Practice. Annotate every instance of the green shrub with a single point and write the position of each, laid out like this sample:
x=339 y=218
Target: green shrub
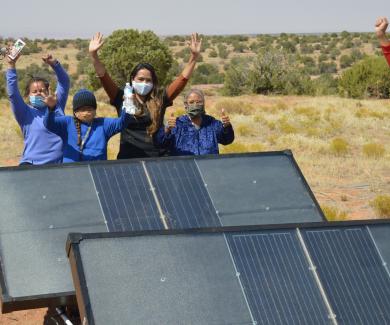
x=206 y=73
x=367 y=78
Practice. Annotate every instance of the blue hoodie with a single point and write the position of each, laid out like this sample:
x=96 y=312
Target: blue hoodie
x=95 y=148
x=40 y=145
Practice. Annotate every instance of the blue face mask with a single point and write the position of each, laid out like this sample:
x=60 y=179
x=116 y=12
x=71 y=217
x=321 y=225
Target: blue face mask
x=37 y=101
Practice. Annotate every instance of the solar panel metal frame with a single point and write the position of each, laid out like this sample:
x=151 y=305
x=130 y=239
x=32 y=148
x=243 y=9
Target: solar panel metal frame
x=78 y=275
x=9 y=303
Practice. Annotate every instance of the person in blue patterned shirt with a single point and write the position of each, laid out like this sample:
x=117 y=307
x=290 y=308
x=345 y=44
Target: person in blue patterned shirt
x=195 y=133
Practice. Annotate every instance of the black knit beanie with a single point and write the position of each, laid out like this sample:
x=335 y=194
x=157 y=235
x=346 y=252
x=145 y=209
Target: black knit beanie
x=82 y=98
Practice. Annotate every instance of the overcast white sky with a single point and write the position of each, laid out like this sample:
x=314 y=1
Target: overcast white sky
x=82 y=18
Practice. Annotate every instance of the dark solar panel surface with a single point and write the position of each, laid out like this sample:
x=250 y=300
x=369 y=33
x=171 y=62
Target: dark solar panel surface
x=126 y=197
x=182 y=194
x=183 y=279
x=356 y=281
x=38 y=209
x=264 y=189
x=275 y=275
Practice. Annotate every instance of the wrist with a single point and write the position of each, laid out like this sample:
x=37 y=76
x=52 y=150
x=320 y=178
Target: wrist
x=383 y=40
x=54 y=63
x=94 y=55
x=194 y=57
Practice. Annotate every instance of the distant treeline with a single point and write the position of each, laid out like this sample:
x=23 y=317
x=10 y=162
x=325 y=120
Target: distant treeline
x=346 y=64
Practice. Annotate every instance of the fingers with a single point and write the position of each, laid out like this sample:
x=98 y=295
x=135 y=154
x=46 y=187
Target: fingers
x=223 y=112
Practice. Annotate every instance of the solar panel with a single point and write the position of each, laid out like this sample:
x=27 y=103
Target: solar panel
x=39 y=207
x=179 y=279
x=277 y=279
x=126 y=197
x=352 y=273
x=319 y=273
x=181 y=192
x=41 y=204
x=264 y=188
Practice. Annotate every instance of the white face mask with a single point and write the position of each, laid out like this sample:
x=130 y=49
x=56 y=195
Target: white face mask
x=142 y=88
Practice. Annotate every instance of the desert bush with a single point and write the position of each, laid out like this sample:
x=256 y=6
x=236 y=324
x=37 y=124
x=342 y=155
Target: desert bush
x=206 y=73
x=381 y=205
x=213 y=54
x=236 y=77
x=286 y=127
x=244 y=130
x=368 y=78
x=327 y=67
x=325 y=84
x=339 y=146
x=346 y=61
x=374 y=150
x=222 y=51
x=365 y=113
x=235 y=107
x=235 y=147
x=333 y=214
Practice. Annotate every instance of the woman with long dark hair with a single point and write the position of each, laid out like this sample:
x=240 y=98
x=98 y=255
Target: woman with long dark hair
x=150 y=100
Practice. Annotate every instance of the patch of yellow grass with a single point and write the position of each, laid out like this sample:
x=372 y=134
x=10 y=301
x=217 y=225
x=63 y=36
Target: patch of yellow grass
x=333 y=214
x=374 y=150
x=381 y=204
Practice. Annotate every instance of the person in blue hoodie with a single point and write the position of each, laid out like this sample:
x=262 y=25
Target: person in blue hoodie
x=40 y=145
x=195 y=133
x=85 y=136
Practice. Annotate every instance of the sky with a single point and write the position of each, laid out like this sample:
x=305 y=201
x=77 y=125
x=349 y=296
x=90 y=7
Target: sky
x=82 y=18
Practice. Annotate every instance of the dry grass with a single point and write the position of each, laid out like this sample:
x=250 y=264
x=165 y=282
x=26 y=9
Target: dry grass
x=333 y=214
x=381 y=204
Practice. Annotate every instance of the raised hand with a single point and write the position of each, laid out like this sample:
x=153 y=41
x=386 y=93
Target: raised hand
x=171 y=122
x=225 y=118
x=381 y=26
x=12 y=62
x=50 y=100
x=96 y=43
x=195 y=44
x=48 y=59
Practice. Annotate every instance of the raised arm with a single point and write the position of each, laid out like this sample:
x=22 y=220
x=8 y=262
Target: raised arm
x=56 y=124
x=177 y=86
x=63 y=82
x=108 y=84
x=380 y=28
x=20 y=109
x=113 y=126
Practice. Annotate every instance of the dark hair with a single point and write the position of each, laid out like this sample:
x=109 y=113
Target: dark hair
x=147 y=66
x=35 y=79
x=153 y=100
